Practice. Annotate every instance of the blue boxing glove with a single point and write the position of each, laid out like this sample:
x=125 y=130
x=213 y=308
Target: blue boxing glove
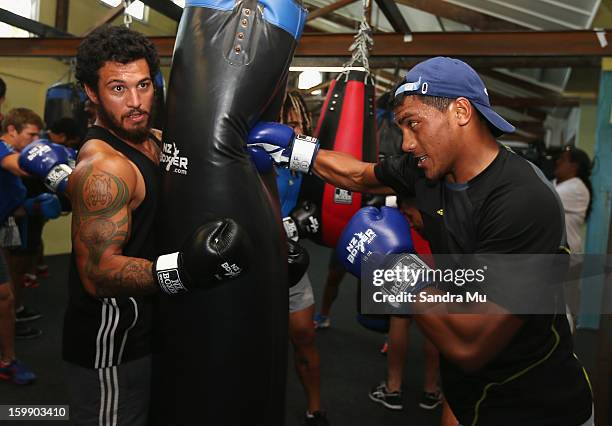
x=373 y=230
x=46 y=205
x=261 y=159
x=297 y=152
x=48 y=161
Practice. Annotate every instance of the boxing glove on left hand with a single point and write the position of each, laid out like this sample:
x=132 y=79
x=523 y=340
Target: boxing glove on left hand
x=217 y=251
x=373 y=230
x=297 y=152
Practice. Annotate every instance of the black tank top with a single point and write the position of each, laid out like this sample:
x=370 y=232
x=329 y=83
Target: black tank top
x=105 y=332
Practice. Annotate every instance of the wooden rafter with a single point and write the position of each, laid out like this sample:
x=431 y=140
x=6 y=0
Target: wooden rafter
x=108 y=17
x=61 y=15
x=394 y=16
x=462 y=44
x=323 y=11
x=34 y=27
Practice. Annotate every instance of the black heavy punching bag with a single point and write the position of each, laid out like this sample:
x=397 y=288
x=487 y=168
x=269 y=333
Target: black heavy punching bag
x=221 y=353
x=66 y=100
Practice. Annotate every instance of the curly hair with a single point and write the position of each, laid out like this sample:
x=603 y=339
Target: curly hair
x=112 y=44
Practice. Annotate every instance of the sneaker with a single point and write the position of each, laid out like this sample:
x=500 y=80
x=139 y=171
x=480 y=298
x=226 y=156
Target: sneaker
x=17 y=373
x=391 y=400
x=24 y=333
x=430 y=400
x=42 y=271
x=29 y=281
x=26 y=314
x=318 y=418
x=321 y=322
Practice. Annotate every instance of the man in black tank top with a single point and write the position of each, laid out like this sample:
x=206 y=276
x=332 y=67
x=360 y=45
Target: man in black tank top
x=477 y=197
x=114 y=274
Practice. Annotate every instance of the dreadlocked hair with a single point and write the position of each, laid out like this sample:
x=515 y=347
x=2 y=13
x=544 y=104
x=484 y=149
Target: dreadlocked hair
x=295 y=102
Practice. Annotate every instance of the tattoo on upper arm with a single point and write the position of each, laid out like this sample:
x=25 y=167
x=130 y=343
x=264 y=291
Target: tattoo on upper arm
x=102 y=221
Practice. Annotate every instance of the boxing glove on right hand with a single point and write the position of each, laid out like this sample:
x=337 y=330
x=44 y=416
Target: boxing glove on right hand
x=297 y=152
x=217 y=251
x=373 y=230
x=48 y=161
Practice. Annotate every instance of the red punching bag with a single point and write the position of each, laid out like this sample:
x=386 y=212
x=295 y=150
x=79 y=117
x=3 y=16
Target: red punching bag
x=347 y=124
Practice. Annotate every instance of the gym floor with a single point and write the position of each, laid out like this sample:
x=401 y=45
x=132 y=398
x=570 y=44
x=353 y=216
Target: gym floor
x=350 y=361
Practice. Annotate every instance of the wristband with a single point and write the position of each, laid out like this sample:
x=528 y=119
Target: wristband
x=167 y=272
x=409 y=283
x=291 y=229
x=303 y=152
x=57 y=178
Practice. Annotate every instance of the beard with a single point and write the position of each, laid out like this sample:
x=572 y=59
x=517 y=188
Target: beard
x=137 y=135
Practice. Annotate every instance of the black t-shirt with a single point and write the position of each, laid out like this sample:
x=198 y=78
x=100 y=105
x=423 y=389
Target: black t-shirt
x=509 y=208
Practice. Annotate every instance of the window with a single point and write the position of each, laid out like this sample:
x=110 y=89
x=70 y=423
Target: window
x=26 y=8
x=136 y=9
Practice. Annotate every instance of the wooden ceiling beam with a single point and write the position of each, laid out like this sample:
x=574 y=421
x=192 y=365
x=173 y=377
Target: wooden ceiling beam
x=469 y=44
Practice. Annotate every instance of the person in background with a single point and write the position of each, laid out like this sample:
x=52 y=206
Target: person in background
x=301 y=298
x=65 y=131
x=12 y=199
x=573 y=184
x=389 y=392
x=20 y=127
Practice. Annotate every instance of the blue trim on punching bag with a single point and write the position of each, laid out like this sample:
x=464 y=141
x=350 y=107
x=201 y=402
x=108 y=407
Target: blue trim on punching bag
x=59 y=92
x=285 y=14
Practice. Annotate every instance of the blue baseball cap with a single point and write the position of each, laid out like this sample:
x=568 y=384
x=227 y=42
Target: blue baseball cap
x=452 y=78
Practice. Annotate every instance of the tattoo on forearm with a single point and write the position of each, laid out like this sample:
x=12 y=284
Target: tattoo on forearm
x=102 y=221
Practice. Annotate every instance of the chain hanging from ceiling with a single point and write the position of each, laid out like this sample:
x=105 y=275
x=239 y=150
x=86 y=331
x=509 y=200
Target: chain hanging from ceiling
x=127 y=18
x=363 y=42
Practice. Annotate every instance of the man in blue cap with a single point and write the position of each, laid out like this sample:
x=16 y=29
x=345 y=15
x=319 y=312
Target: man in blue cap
x=475 y=196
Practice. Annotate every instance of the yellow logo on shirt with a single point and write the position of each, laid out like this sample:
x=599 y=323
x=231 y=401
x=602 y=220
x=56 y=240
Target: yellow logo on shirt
x=440 y=212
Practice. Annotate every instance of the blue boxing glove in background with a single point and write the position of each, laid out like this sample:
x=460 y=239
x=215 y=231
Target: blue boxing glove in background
x=47 y=161
x=46 y=205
